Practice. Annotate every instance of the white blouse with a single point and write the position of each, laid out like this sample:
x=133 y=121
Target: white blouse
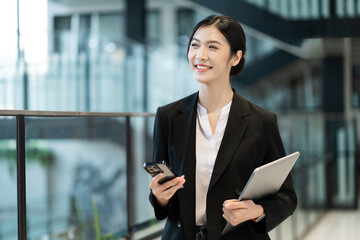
x=207 y=147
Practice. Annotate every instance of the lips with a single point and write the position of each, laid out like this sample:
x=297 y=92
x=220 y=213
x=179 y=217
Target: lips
x=202 y=67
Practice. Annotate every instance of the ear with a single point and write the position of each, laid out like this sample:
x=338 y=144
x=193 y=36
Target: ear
x=236 y=58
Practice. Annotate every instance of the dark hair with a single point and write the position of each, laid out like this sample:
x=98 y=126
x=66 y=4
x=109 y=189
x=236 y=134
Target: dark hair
x=232 y=31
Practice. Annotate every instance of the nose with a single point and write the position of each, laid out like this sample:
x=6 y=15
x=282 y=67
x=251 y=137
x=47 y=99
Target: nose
x=202 y=53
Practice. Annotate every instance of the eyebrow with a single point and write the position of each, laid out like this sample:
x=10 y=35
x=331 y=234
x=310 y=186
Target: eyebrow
x=211 y=41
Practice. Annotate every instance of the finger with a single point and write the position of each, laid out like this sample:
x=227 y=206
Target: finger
x=178 y=184
x=230 y=200
x=226 y=217
x=169 y=192
x=248 y=202
x=158 y=176
x=225 y=211
x=234 y=217
x=228 y=212
x=154 y=181
x=229 y=219
x=176 y=187
x=234 y=205
x=163 y=189
x=172 y=182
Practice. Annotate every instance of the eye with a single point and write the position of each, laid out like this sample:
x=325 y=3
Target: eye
x=213 y=47
x=194 y=45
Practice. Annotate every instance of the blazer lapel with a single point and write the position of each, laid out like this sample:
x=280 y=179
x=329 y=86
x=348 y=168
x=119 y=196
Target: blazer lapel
x=184 y=151
x=182 y=133
x=234 y=131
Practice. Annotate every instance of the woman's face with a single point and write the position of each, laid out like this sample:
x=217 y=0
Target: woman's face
x=210 y=57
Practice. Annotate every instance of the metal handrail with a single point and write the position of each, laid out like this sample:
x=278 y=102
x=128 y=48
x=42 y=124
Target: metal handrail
x=35 y=113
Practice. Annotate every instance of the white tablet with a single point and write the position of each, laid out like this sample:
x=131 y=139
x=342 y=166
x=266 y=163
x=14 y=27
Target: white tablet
x=267 y=179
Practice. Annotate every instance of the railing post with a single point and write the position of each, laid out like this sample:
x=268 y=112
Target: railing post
x=21 y=177
x=129 y=180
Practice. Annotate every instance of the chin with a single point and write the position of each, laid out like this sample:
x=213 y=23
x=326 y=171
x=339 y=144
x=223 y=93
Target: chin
x=201 y=80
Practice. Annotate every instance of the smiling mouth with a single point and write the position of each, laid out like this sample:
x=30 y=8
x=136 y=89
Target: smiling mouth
x=202 y=67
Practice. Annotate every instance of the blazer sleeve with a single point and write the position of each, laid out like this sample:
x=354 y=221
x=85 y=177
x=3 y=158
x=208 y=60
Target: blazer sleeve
x=159 y=154
x=282 y=204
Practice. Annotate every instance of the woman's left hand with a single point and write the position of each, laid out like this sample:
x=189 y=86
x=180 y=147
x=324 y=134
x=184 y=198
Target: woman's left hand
x=236 y=212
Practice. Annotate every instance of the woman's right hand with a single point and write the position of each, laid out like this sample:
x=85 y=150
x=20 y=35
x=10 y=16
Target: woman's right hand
x=163 y=192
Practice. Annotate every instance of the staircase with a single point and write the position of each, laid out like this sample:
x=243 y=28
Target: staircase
x=295 y=27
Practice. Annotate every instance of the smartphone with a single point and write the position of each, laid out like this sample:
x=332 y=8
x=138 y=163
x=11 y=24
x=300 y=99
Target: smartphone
x=154 y=168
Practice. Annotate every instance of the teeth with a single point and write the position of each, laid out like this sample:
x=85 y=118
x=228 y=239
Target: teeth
x=202 y=67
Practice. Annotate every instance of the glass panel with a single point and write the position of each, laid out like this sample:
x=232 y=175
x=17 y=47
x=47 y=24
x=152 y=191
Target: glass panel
x=309 y=174
x=76 y=177
x=295 y=9
x=340 y=8
x=345 y=166
x=8 y=199
x=10 y=68
x=325 y=10
x=301 y=213
x=153 y=32
x=185 y=21
x=350 y=8
x=142 y=129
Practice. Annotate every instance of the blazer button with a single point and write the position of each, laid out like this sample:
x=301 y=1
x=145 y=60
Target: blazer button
x=179 y=224
x=238 y=191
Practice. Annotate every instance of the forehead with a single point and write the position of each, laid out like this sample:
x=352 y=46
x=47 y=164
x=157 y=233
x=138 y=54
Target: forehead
x=209 y=33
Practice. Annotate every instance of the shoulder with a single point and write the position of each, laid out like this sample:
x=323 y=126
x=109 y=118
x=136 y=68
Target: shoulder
x=184 y=104
x=254 y=112
x=261 y=113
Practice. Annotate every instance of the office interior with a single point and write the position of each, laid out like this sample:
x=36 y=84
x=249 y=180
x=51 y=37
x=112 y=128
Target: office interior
x=80 y=81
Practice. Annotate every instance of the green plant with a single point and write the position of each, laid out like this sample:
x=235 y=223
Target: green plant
x=97 y=227
x=35 y=153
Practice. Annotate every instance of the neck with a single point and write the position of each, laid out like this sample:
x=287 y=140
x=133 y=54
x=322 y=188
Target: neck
x=215 y=97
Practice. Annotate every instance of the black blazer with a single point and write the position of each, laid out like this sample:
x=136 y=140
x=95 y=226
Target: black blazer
x=251 y=139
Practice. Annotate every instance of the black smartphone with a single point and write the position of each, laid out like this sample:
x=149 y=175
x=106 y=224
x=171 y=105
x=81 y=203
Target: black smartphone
x=154 y=168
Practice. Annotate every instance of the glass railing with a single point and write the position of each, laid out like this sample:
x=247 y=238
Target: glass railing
x=8 y=206
x=331 y=136
x=325 y=175
x=78 y=175
x=310 y=185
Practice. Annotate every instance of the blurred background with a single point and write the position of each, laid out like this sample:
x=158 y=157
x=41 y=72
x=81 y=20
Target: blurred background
x=129 y=56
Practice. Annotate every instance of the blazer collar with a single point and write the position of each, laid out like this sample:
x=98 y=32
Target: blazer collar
x=239 y=104
x=189 y=103
x=234 y=131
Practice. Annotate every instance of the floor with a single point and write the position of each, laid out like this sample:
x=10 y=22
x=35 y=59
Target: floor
x=337 y=225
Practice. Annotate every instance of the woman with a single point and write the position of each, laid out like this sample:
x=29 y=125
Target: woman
x=214 y=139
